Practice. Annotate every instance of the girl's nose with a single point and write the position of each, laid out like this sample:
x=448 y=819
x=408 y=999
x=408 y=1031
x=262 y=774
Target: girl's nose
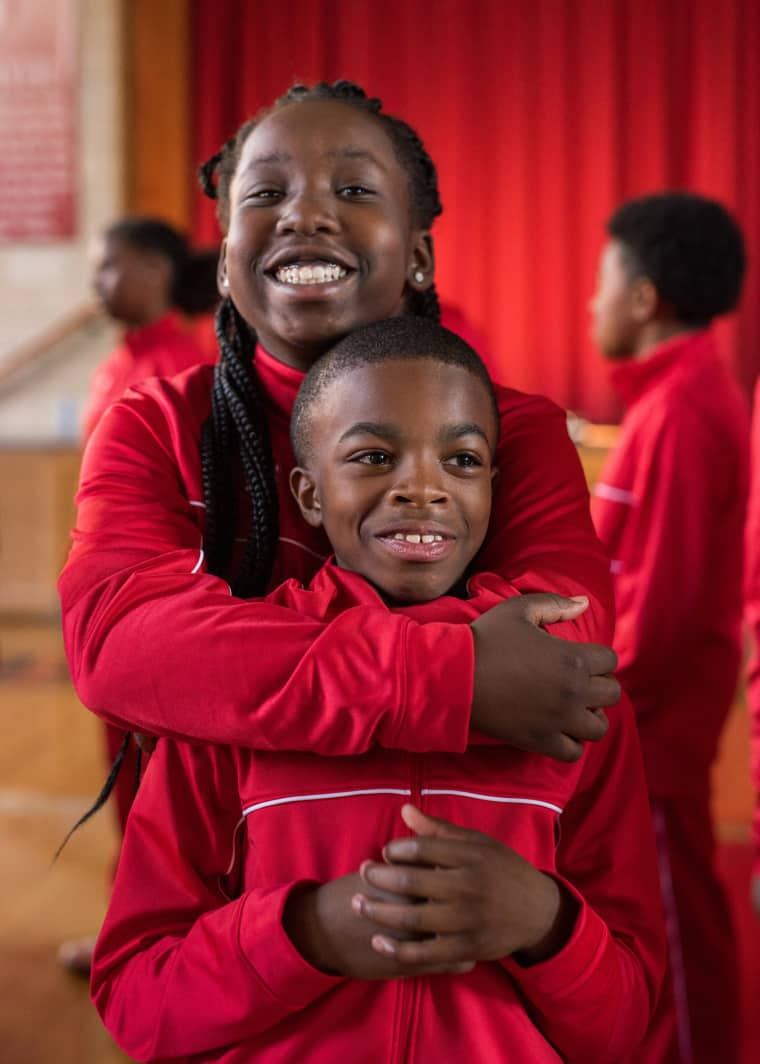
x=307 y=213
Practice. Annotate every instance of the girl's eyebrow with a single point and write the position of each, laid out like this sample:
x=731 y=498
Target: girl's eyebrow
x=355 y=153
x=341 y=153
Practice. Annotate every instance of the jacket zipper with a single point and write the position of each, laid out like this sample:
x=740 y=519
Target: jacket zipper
x=409 y=989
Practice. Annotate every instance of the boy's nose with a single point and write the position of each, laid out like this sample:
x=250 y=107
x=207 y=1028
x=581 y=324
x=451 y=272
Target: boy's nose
x=307 y=213
x=419 y=487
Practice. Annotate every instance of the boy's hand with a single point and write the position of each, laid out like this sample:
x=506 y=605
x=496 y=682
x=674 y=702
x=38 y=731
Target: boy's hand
x=333 y=937
x=479 y=900
x=534 y=691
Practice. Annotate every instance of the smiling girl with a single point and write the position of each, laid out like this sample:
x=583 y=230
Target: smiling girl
x=185 y=511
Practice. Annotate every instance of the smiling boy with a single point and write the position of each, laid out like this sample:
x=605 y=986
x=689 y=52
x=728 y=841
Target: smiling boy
x=262 y=910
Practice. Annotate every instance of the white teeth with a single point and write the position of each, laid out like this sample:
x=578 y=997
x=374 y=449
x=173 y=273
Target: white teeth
x=414 y=537
x=315 y=273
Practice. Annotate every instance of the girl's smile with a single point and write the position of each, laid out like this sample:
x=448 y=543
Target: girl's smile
x=321 y=238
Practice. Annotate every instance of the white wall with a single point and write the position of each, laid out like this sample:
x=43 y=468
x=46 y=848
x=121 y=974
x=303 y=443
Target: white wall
x=41 y=283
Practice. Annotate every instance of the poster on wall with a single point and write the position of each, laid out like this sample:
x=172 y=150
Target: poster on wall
x=38 y=120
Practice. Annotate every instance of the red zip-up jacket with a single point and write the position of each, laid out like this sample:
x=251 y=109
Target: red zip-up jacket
x=752 y=615
x=193 y=962
x=669 y=507
x=161 y=349
x=157 y=644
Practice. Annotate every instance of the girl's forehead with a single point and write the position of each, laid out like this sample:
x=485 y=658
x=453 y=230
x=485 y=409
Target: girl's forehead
x=314 y=128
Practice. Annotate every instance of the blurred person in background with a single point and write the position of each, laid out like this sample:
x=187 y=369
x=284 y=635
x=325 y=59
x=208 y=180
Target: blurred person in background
x=149 y=280
x=670 y=507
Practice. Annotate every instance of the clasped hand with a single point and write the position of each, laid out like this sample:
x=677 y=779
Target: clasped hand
x=444 y=899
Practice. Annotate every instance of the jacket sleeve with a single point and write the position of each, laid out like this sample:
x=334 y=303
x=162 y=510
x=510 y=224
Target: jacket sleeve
x=752 y=618
x=541 y=536
x=178 y=968
x=594 y=999
x=157 y=644
x=665 y=542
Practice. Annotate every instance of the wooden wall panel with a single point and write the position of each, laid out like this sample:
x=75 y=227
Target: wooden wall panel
x=157 y=101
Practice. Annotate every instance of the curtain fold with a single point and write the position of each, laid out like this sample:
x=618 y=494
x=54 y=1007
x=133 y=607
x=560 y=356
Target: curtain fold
x=541 y=117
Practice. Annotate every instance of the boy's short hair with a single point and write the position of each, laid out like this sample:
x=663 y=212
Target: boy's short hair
x=408 y=338
x=689 y=247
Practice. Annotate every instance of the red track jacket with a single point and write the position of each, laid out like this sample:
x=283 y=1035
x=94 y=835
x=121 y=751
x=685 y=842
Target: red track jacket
x=157 y=644
x=669 y=507
x=752 y=614
x=193 y=961
x=162 y=349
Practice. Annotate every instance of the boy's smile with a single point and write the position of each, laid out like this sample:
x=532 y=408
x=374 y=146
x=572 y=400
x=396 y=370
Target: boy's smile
x=321 y=238
x=399 y=473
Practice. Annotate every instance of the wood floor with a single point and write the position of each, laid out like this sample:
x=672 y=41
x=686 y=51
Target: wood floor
x=50 y=769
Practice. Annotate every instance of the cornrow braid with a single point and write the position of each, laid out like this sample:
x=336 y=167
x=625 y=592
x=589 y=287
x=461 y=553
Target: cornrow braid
x=236 y=433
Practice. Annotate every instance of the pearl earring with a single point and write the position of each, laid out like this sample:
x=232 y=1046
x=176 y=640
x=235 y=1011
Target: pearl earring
x=419 y=276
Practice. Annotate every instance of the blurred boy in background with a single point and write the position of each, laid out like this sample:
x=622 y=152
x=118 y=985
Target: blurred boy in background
x=670 y=507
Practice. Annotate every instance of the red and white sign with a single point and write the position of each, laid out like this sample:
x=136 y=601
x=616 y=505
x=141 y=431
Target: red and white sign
x=38 y=120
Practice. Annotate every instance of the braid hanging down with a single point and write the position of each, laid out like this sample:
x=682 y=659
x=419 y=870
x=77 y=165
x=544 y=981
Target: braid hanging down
x=238 y=427
x=235 y=438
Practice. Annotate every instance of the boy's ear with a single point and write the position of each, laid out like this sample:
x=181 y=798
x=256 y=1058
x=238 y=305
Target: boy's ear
x=422 y=263
x=306 y=495
x=644 y=300
x=222 y=283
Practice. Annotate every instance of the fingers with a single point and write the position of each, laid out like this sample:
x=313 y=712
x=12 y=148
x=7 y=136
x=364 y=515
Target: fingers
x=546 y=608
x=423 y=824
x=598 y=659
x=414 y=921
x=602 y=691
x=444 y=953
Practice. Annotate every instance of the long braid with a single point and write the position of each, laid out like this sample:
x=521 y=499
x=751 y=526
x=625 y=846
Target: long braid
x=235 y=437
x=238 y=426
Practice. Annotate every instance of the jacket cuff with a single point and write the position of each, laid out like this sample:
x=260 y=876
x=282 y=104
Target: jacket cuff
x=439 y=669
x=575 y=964
x=274 y=959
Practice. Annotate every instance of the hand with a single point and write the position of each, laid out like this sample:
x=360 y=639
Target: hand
x=755 y=891
x=335 y=938
x=534 y=691
x=481 y=900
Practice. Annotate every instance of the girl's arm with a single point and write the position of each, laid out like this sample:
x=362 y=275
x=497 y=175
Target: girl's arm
x=178 y=968
x=157 y=644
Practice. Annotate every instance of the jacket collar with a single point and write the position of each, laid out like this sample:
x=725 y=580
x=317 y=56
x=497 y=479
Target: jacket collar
x=633 y=377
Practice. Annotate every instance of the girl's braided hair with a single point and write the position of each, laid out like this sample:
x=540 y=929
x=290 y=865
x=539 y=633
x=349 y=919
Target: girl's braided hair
x=236 y=434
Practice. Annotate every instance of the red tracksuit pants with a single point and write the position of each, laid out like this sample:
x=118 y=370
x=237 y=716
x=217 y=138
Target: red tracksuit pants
x=699 y=1014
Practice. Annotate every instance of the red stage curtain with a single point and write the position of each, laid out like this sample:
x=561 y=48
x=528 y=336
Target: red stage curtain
x=541 y=117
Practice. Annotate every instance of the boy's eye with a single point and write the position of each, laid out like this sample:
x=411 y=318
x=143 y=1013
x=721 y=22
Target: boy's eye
x=465 y=460
x=376 y=458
